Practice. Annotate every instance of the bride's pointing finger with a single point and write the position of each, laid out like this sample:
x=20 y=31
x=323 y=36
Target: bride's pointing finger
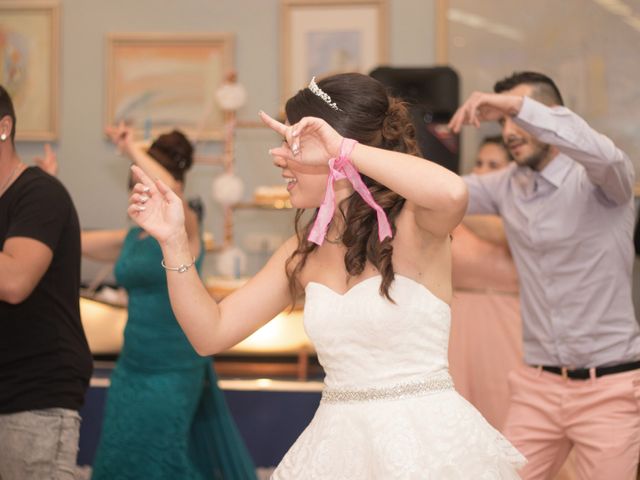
x=143 y=178
x=273 y=124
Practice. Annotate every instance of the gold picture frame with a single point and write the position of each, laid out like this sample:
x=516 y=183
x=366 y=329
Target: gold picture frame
x=442 y=32
x=157 y=82
x=322 y=37
x=29 y=32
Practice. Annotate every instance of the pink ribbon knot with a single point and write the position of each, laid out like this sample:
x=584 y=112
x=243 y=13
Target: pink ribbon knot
x=340 y=168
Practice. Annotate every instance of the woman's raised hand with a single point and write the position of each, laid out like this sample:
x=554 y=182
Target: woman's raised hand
x=121 y=135
x=156 y=208
x=312 y=141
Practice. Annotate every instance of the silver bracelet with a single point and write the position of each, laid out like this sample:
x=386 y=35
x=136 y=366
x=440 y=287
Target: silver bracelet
x=180 y=268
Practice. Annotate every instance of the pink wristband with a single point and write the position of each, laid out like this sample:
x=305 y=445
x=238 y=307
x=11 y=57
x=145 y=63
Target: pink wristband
x=340 y=168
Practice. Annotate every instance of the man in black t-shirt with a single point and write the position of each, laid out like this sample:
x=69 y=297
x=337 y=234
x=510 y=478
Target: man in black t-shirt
x=45 y=363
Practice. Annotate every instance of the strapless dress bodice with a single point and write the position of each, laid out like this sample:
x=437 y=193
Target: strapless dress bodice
x=363 y=340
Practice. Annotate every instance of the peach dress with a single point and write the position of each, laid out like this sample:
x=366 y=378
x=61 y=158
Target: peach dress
x=486 y=330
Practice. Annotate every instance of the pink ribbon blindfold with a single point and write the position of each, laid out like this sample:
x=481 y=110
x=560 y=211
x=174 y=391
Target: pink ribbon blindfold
x=340 y=168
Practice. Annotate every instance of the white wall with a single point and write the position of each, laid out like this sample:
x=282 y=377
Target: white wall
x=587 y=49
x=96 y=177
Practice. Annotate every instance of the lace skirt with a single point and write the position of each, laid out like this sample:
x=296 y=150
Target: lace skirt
x=436 y=435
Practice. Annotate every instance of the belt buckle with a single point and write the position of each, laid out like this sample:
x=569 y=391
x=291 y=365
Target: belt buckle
x=564 y=371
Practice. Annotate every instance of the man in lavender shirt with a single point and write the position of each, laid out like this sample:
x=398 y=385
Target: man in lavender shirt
x=567 y=206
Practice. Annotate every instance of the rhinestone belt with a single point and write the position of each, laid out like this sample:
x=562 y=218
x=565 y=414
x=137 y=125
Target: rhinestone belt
x=414 y=389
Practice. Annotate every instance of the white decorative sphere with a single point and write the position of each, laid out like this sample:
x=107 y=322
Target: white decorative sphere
x=231 y=96
x=232 y=262
x=227 y=189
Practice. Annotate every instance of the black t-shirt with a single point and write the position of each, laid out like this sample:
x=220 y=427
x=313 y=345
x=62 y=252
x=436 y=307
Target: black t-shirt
x=45 y=360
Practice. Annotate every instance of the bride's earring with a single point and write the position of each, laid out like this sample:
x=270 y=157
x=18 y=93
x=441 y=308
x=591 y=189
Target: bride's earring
x=3 y=137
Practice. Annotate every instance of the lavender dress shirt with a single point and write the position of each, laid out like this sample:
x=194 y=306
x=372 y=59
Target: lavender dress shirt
x=570 y=230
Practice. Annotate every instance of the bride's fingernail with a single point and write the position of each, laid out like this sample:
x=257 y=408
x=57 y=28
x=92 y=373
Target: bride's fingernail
x=141 y=208
x=146 y=189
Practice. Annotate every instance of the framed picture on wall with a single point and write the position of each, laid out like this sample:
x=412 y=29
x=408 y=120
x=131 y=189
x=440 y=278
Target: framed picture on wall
x=323 y=37
x=29 y=32
x=157 y=82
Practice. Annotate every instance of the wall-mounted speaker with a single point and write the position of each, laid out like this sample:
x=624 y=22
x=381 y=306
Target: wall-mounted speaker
x=433 y=96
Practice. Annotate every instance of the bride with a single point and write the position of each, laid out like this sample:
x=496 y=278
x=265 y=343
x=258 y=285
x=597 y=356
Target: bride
x=374 y=262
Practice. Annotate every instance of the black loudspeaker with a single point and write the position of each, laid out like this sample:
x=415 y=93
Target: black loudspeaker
x=433 y=96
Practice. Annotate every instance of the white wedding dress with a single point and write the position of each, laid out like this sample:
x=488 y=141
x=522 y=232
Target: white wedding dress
x=388 y=409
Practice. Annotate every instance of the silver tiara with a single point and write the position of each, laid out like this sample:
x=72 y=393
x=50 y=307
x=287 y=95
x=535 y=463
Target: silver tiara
x=313 y=86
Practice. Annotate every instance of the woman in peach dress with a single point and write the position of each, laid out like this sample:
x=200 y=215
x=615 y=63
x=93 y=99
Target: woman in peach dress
x=486 y=331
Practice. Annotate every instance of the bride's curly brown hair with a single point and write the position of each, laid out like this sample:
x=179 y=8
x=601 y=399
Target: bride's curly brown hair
x=372 y=117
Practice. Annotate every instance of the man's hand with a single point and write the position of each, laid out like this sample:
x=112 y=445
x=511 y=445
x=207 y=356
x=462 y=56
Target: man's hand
x=485 y=107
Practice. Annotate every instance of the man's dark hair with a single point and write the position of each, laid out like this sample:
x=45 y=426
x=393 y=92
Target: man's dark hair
x=544 y=89
x=6 y=108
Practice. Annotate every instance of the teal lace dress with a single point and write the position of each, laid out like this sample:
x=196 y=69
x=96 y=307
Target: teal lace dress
x=165 y=416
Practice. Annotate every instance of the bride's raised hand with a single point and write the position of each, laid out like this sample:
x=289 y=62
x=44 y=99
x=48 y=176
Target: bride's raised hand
x=312 y=140
x=156 y=208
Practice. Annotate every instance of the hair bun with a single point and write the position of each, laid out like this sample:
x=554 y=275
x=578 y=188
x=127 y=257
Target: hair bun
x=174 y=152
x=398 y=132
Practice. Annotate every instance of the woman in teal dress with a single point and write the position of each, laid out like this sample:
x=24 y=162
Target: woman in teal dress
x=165 y=416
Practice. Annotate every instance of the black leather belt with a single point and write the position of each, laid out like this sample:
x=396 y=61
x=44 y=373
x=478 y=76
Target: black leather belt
x=583 y=373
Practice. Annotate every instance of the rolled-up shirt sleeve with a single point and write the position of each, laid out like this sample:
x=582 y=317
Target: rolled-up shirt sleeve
x=607 y=166
x=483 y=198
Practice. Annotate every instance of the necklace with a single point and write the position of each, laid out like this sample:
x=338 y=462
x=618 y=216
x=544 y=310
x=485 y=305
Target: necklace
x=335 y=241
x=5 y=185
